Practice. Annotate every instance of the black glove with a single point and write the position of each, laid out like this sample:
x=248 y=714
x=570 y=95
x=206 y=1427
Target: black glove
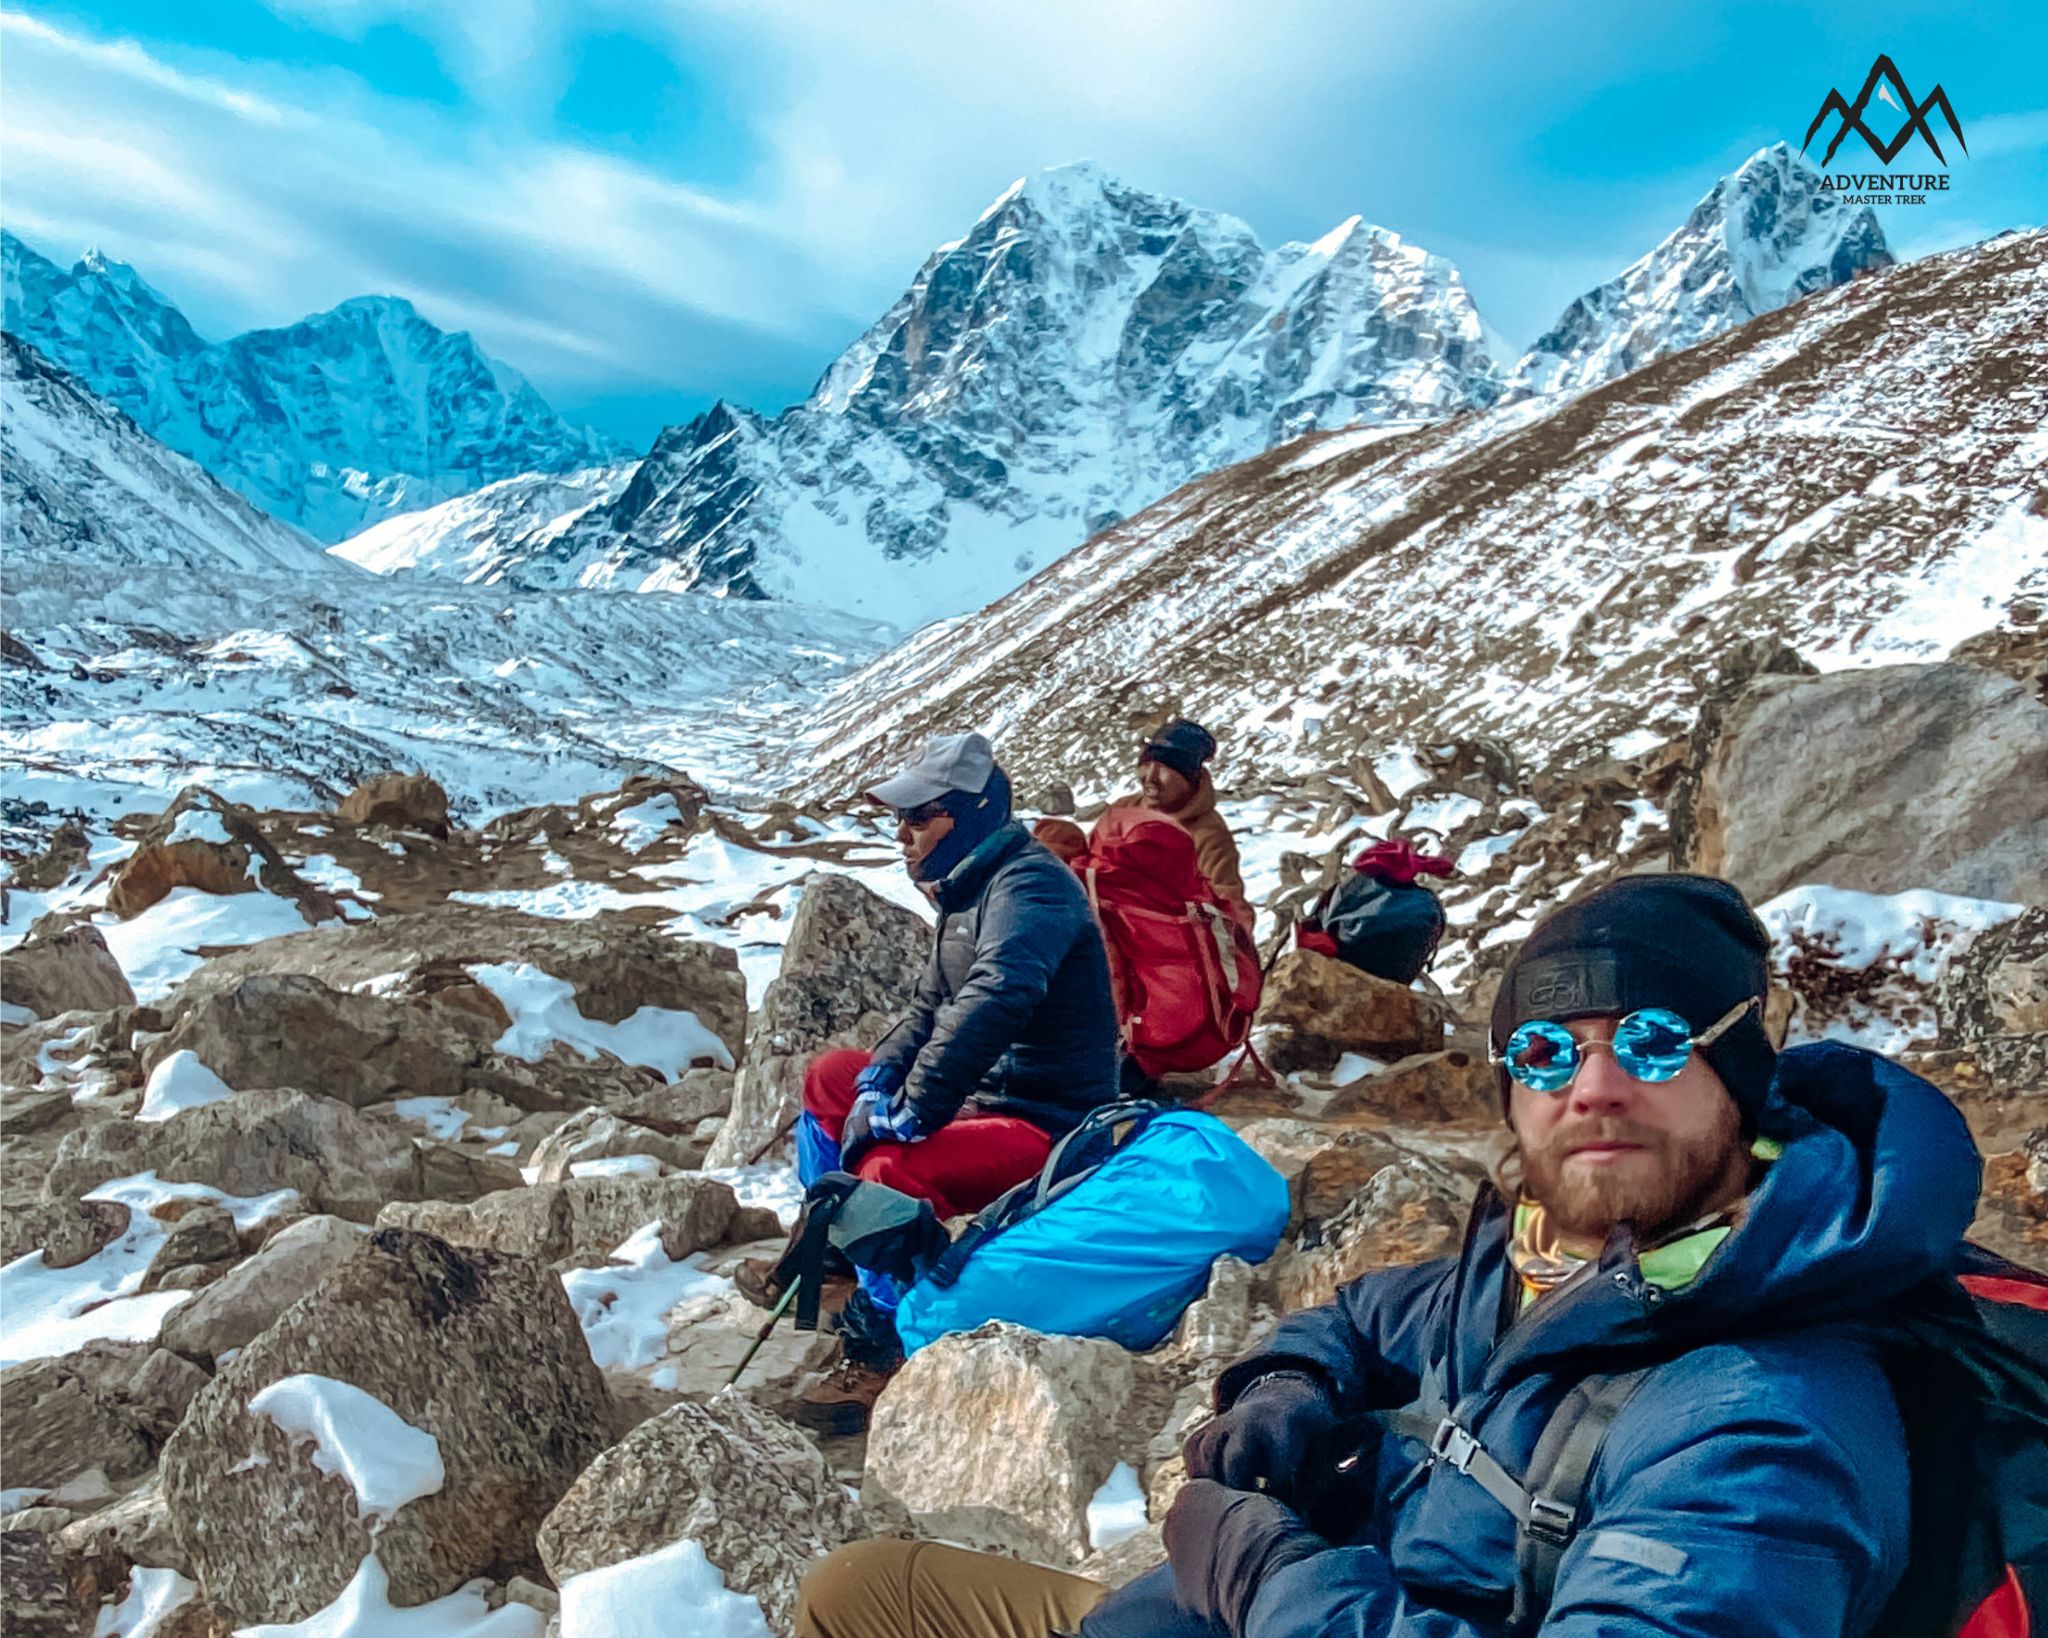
x=857 y=1135
x=1280 y=1437
x=1223 y=1543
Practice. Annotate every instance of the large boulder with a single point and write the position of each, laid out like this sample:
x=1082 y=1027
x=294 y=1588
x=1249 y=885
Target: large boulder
x=750 y=1490
x=110 y=1405
x=851 y=965
x=63 y=967
x=287 y=1029
x=238 y=1307
x=207 y=842
x=999 y=1438
x=615 y=965
x=589 y=1215
x=339 y=1160
x=479 y=1351
x=1315 y=1009
x=1878 y=780
x=400 y=800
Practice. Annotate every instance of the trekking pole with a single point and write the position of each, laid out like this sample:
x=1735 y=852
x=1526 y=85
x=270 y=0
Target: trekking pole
x=775 y=1137
x=781 y=1307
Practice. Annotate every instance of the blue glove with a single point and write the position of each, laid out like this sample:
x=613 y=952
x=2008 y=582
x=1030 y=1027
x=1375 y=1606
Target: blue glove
x=878 y=1080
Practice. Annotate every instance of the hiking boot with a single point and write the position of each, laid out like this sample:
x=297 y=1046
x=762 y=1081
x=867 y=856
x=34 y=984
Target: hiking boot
x=839 y=1403
x=755 y=1278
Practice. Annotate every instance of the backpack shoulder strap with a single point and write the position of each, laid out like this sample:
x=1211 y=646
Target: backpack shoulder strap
x=1547 y=1500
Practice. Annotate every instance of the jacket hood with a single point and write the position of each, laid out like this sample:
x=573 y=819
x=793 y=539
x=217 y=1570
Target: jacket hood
x=961 y=885
x=1872 y=1194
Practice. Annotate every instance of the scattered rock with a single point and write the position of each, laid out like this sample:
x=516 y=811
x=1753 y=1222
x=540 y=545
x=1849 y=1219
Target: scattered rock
x=205 y=841
x=244 y=1302
x=1408 y=1211
x=747 y=1487
x=551 y=1221
x=45 y=1593
x=1130 y=1558
x=998 y=1438
x=850 y=967
x=63 y=966
x=1319 y=1009
x=109 y=1406
x=73 y=1230
x=134 y=1530
x=1878 y=780
x=682 y=1106
x=1454 y=1084
x=204 y=1234
x=44 y=1521
x=339 y=1160
x=592 y=1134
x=478 y=1350
x=401 y=801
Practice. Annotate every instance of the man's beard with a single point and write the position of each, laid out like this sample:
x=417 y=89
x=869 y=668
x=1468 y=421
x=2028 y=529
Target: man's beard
x=1671 y=1185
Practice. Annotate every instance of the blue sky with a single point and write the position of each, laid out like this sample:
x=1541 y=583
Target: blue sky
x=649 y=206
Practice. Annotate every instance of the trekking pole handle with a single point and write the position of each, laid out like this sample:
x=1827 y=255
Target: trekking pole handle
x=767 y=1326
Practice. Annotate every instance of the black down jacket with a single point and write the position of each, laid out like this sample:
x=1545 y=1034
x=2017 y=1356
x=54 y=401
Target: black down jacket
x=1014 y=1014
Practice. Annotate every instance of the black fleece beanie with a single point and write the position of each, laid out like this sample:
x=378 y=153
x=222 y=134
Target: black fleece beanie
x=1183 y=746
x=1687 y=943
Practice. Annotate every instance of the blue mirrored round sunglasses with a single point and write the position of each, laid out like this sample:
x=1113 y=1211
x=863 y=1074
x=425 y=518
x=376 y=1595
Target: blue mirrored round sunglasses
x=1652 y=1044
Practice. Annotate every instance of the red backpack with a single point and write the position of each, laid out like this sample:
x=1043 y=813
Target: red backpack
x=1185 y=973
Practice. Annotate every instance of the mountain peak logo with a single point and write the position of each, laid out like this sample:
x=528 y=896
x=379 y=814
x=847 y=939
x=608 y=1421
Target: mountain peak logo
x=1883 y=79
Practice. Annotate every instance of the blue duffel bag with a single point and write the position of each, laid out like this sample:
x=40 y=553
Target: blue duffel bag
x=1114 y=1237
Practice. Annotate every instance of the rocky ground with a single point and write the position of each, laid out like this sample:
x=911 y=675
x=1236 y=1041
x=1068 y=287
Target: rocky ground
x=371 y=1185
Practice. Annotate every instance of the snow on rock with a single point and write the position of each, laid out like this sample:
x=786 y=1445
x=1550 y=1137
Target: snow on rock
x=47 y=1311
x=617 y=1166
x=543 y=1010
x=154 y=1596
x=645 y=821
x=385 y=1459
x=365 y=1610
x=1865 y=966
x=1116 y=1512
x=763 y=1184
x=624 y=1306
x=180 y=1082
x=672 y=1590
x=439 y=1116
x=157 y=949
x=12 y=1012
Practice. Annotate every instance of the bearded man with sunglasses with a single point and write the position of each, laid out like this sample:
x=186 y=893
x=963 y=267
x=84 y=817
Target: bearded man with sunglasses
x=1646 y=1398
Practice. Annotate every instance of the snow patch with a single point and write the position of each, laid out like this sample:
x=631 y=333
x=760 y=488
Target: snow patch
x=1116 y=1511
x=179 y=1083
x=385 y=1459
x=364 y=1610
x=156 y=949
x=439 y=1116
x=48 y=1311
x=624 y=1307
x=543 y=1010
x=674 y=1589
x=153 y=1596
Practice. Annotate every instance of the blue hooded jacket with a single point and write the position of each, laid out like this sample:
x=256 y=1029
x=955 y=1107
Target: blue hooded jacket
x=1756 y=1486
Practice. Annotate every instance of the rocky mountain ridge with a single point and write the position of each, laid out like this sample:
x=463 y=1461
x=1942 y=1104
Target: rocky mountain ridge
x=1084 y=348
x=328 y=423
x=1857 y=476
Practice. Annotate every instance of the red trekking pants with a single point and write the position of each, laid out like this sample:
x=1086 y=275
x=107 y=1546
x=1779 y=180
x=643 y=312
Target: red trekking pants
x=960 y=1168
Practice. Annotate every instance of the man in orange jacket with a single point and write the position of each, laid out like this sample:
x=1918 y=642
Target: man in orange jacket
x=1173 y=779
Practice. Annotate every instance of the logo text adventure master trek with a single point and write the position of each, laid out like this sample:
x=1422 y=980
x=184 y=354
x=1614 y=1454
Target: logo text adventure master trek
x=1886 y=187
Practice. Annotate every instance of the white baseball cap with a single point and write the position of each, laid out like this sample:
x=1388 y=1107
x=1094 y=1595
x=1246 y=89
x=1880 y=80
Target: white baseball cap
x=948 y=762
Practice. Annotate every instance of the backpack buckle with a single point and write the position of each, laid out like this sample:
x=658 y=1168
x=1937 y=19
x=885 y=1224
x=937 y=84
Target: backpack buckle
x=1548 y=1521
x=1451 y=1443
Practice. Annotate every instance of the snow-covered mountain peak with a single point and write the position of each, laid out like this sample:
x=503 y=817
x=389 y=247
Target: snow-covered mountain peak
x=1082 y=349
x=1766 y=234
x=343 y=417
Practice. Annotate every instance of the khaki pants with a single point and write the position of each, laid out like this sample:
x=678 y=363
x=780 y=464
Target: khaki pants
x=920 y=1589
